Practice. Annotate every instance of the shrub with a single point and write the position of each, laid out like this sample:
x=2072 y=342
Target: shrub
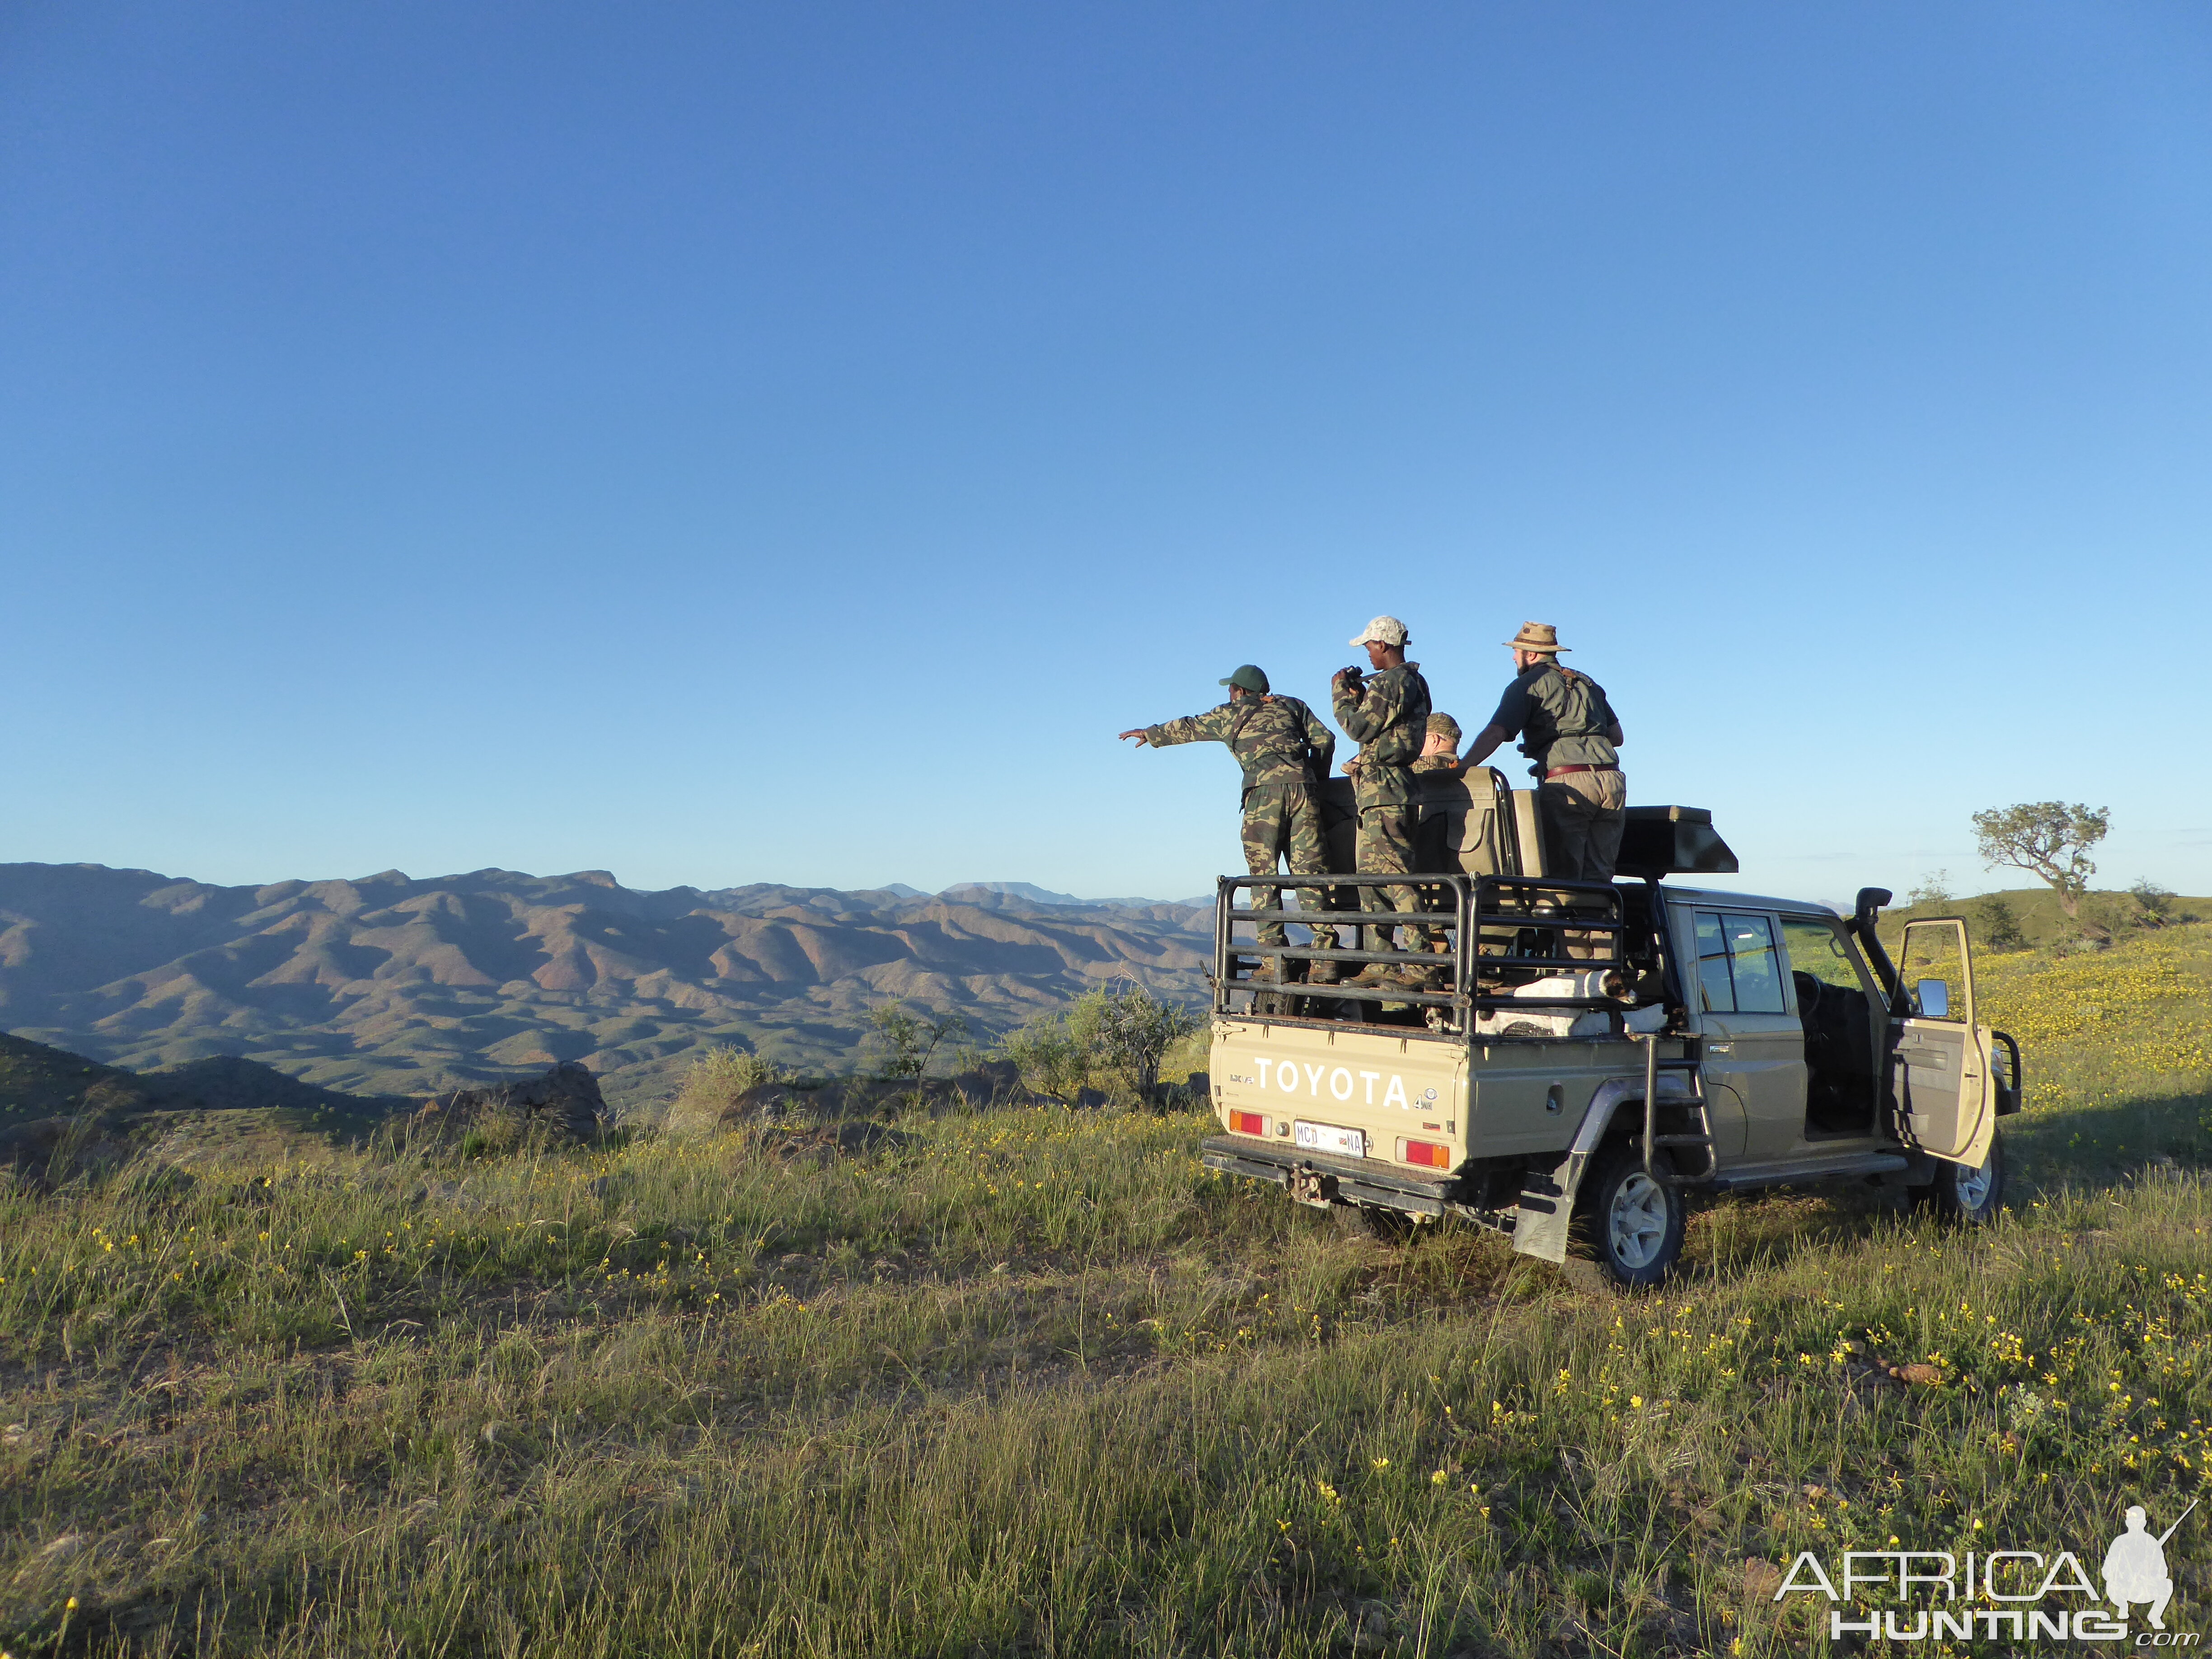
x=1054 y=1058
x=717 y=1078
x=1120 y=1033
x=2154 y=903
x=1998 y=923
x=1135 y=1031
x=910 y=1042
x=1934 y=890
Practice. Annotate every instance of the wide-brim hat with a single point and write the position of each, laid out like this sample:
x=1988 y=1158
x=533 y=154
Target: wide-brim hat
x=1249 y=678
x=1537 y=636
x=1384 y=630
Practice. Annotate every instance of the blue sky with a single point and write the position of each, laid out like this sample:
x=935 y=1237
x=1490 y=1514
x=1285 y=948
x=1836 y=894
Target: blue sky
x=724 y=443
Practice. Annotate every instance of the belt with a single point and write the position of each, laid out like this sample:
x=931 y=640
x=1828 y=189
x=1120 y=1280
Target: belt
x=1562 y=771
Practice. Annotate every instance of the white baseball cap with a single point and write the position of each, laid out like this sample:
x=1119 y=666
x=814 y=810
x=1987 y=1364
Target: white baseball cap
x=1384 y=630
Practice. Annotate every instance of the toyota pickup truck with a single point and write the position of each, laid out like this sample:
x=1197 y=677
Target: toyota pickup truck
x=1594 y=1056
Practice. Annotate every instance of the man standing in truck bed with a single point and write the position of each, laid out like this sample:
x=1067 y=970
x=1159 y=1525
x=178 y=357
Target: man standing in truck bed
x=1569 y=729
x=1284 y=748
x=1387 y=713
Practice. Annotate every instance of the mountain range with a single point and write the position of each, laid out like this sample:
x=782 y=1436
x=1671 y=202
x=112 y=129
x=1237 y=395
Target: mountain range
x=388 y=985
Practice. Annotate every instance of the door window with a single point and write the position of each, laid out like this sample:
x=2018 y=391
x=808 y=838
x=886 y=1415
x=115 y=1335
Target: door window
x=1817 y=950
x=1738 y=972
x=1935 y=950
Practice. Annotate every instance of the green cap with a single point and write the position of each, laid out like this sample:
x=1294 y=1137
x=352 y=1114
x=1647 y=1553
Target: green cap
x=1250 y=678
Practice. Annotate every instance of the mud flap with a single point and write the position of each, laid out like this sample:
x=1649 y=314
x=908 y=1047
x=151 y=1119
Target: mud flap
x=1546 y=1207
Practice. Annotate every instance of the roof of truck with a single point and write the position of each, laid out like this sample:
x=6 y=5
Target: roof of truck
x=1746 y=901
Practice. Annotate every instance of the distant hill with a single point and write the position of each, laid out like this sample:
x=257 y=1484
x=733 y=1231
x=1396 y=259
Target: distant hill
x=2041 y=920
x=969 y=890
x=39 y=1080
x=391 y=985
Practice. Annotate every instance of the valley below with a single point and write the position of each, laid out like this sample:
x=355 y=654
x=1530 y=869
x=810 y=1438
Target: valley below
x=388 y=985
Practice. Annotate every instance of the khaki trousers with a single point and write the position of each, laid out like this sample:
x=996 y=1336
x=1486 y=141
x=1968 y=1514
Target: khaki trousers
x=1584 y=813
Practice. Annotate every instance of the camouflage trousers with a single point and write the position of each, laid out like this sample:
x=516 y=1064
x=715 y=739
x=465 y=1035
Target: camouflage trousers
x=1386 y=845
x=1283 y=820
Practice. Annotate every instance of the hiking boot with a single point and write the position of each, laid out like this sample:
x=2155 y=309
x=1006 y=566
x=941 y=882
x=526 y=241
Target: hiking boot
x=1268 y=972
x=1325 y=973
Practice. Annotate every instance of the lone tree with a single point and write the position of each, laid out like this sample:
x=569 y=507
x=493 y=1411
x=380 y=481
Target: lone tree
x=2046 y=838
x=1135 y=1031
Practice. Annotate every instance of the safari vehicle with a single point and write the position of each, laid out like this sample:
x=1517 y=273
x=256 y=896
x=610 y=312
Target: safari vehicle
x=1597 y=1055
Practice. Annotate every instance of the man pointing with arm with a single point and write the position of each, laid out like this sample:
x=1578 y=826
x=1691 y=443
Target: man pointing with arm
x=1276 y=740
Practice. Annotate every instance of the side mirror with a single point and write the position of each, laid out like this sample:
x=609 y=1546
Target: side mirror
x=1932 y=998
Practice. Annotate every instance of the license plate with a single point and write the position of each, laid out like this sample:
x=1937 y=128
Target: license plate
x=1327 y=1138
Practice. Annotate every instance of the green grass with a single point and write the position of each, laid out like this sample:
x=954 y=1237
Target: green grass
x=1038 y=1384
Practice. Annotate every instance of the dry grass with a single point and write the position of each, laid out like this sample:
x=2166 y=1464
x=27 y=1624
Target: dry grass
x=1036 y=1383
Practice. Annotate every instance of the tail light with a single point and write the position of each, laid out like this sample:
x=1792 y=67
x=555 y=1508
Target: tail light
x=1427 y=1153
x=1247 y=1123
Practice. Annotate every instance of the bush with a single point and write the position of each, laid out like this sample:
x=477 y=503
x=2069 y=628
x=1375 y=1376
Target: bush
x=1998 y=924
x=1054 y=1057
x=2154 y=903
x=910 y=1042
x=716 y=1079
x=1135 y=1031
x=1934 y=890
x=1120 y=1033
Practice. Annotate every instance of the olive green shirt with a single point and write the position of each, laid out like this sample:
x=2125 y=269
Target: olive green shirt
x=1561 y=717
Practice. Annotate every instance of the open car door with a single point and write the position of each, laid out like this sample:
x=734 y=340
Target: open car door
x=1942 y=1078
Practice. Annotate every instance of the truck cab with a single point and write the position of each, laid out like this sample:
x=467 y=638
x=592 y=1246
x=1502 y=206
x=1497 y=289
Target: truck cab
x=1598 y=1055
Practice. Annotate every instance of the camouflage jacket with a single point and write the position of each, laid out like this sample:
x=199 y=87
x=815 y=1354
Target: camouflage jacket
x=1270 y=736
x=1389 y=719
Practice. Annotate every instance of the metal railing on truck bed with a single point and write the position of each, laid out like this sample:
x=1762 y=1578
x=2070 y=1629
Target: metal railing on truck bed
x=1521 y=929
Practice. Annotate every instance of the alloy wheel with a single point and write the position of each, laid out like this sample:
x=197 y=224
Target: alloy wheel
x=1636 y=1225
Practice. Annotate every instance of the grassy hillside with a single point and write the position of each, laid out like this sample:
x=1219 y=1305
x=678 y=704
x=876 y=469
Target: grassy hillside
x=38 y=1081
x=2041 y=920
x=1035 y=1383
x=230 y=1097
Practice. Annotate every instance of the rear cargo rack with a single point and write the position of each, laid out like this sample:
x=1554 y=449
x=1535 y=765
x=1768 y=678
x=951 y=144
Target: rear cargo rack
x=1500 y=932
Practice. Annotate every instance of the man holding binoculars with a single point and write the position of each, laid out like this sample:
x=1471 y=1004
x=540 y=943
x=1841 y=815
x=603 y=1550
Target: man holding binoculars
x=1386 y=712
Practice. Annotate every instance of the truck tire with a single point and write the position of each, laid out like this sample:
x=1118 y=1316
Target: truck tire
x=1369 y=1221
x=1633 y=1224
x=1971 y=1198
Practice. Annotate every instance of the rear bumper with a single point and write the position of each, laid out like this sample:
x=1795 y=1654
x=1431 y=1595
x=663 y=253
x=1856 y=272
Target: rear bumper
x=1323 y=1177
